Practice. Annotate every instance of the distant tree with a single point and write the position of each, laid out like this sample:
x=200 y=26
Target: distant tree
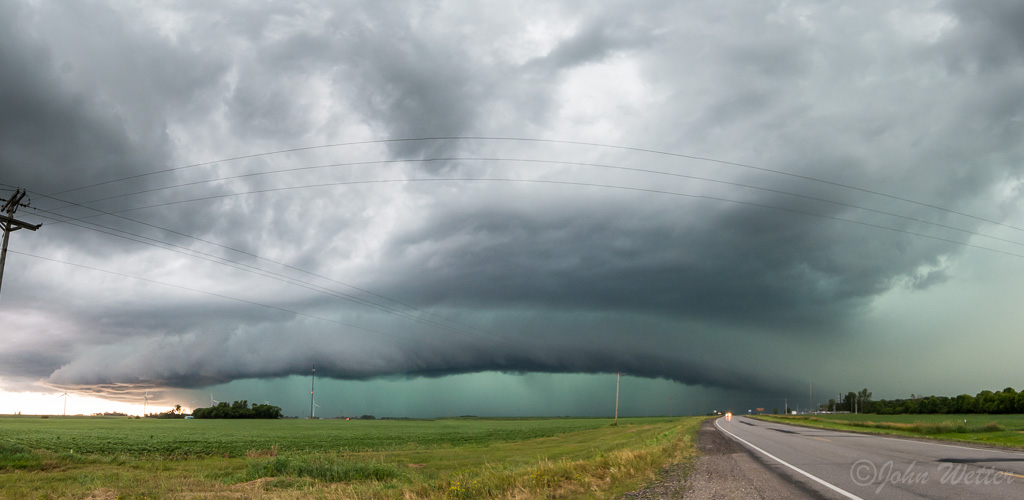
x=986 y=402
x=367 y=417
x=266 y=411
x=864 y=401
x=849 y=402
x=172 y=413
x=964 y=403
x=1006 y=400
x=914 y=405
x=929 y=405
x=883 y=407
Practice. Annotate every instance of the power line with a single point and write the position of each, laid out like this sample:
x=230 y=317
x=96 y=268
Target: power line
x=337 y=294
x=213 y=294
x=530 y=160
x=294 y=281
x=350 y=297
x=556 y=141
x=570 y=183
x=307 y=285
x=582 y=184
x=332 y=292
x=458 y=329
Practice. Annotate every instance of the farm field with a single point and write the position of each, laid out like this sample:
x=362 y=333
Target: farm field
x=1000 y=430
x=100 y=458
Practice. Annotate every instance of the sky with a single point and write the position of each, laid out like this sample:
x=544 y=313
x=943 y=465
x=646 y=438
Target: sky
x=493 y=208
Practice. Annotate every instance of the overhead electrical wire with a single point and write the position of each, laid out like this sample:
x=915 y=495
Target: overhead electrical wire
x=552 y=141
x=355 y=299
x=556 y=141
x=297 y=282
x=278 y=277
x=548 y=161
x=458 y=328
x=528 y=160
x=205 y=292
x=255 y=270
x=335 y=293
x=567 y=183
x=606 y=186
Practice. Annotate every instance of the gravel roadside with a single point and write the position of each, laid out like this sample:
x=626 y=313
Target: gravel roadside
x=723 y=470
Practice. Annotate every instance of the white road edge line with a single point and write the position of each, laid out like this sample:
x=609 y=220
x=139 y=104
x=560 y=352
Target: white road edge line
x=837 y=489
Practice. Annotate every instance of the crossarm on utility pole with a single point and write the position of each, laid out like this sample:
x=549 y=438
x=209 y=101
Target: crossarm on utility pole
x=9 y=224
x=16 y=224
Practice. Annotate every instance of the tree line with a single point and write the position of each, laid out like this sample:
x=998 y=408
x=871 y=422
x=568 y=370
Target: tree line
x=853 y=402
x=1004 y=401
x=238 y=409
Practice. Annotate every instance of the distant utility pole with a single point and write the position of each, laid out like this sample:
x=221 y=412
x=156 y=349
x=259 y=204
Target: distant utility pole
x=617 y=375
x=9 y=224
x=312 y=385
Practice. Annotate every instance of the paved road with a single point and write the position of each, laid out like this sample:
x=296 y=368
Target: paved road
x=837 y=464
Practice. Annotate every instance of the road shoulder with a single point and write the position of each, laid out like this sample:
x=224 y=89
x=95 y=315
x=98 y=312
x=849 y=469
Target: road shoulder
x=723 y=470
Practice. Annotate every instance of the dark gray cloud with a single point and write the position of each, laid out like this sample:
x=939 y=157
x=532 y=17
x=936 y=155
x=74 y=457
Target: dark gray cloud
x=989 y=38
x=652 y=267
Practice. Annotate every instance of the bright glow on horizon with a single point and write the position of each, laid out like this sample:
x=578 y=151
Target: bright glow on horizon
x=43 y=403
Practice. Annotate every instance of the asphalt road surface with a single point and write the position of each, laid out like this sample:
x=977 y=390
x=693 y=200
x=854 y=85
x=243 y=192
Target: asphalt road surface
x=836 y=464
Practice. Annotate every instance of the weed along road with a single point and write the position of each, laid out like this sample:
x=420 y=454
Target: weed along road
x=838 y=464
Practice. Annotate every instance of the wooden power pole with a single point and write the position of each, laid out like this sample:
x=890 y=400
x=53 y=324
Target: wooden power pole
x=617 y=375
x=312 y=385
x=9 y=224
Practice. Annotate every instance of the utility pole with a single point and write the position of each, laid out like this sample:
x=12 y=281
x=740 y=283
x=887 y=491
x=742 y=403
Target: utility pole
x=810 y=396
x=312 y=385
x=617 y=375
x=9 y=224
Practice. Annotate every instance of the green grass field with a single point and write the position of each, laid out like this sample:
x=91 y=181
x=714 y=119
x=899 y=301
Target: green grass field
x=1000 y=430
x=100 y=458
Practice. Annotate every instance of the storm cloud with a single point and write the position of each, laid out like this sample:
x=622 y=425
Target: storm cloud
x=236 y=192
